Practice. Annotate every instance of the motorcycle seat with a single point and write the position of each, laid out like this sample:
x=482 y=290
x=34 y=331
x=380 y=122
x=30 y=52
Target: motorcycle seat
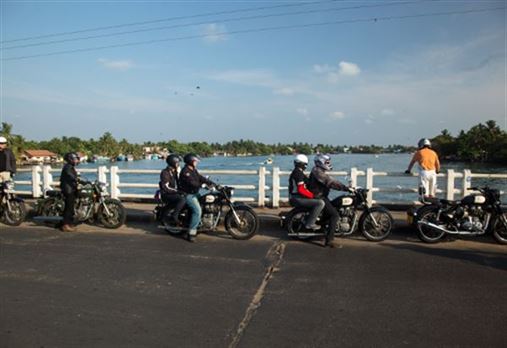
x=53 y=193
x=449 y=202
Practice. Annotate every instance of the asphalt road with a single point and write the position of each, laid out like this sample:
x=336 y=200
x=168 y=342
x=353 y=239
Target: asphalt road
x=138 y=287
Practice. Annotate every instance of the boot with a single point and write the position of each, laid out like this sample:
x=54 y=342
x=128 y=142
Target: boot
x=67 y=228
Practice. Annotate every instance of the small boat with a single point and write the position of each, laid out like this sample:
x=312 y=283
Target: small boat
x=121 y=158
x=268 y=161
x=129 y=158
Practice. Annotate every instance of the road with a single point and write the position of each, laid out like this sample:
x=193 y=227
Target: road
x=138 y=287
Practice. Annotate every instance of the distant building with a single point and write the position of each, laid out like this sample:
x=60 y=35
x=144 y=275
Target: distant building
x=39 y=156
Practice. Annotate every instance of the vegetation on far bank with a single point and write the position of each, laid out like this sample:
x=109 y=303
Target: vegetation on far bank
x=481 y=143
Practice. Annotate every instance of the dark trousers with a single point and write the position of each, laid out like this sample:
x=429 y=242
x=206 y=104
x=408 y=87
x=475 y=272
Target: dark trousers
x=315 y=206
x=68 y=210
x=175 y=201
x=331 y=213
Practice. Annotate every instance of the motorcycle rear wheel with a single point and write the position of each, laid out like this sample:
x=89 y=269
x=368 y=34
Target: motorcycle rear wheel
x=500 y=229
x=426 y=233
x=16 y=214
x=296 y=224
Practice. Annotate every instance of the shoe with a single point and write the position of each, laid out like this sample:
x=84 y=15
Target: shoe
x=331 y=244
x=191 y=234
x=313 y=227
x=67 y=228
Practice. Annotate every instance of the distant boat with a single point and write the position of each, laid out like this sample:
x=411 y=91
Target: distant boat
x=130 y=158
x=268 y=161
x=121 y=158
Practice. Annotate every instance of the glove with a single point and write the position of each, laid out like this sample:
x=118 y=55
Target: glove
x=407 y=172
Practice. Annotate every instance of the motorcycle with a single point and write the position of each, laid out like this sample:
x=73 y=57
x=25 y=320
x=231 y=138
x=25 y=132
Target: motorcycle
x=12 y=208
x=375 y=223
x=241 y=221
x=91 y=205
x=474 y=215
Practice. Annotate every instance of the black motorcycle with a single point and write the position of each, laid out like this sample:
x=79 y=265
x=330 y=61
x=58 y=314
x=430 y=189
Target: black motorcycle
x=375 y=223
x=241 y=221
x=12 y=208
x=474 y=215
x=92 y=204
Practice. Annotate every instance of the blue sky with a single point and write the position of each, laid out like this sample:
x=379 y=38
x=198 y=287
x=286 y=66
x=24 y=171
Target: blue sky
x=384 y=82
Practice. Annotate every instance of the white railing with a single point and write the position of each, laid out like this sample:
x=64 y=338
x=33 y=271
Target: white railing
x=42 y=180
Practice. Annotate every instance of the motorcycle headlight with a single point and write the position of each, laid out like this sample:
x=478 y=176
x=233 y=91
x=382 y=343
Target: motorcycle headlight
x=103 y=187
x=231 y=192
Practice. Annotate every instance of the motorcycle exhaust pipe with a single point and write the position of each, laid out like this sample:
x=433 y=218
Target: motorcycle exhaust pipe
x=54 y=219
x=463 y=233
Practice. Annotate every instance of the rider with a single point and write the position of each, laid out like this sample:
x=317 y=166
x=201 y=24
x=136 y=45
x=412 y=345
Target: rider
x=190 y=182
x=169 y=186
x=69 y=180
x=7 y=161
x=429 y=167
x=320 y=185
x=299 y=196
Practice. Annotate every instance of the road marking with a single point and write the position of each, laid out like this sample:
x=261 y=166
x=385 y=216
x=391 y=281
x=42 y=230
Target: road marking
x=275 y=254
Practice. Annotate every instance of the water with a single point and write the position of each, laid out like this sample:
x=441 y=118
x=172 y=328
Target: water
x=341 y=162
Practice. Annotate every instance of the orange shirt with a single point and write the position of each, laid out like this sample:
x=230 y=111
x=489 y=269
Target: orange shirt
x=427 y=159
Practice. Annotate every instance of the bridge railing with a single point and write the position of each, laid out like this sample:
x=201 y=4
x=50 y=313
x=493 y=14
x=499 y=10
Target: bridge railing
x=264 y=185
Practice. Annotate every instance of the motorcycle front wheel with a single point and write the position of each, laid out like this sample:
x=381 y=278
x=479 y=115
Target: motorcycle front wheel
x=247 y=225
x=427 y=233
x=16 y=214
x=114 y=216
x=500 y=228
x=376 y=225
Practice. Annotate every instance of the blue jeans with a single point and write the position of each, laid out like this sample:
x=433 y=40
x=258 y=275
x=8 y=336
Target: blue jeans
x=193 y=204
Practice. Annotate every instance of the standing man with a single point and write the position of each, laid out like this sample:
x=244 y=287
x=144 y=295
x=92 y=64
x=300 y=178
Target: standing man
x=190 y=182
x=7 y=161
x=429 y=167
x=68 y=185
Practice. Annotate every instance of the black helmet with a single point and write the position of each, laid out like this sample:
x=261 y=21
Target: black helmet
x=190 y=157
x=173 y=160
x=71 y=157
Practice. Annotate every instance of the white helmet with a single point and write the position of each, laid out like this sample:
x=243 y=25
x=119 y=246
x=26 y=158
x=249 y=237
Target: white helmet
x=301 y=161
x=3 y=140
x=424 y=142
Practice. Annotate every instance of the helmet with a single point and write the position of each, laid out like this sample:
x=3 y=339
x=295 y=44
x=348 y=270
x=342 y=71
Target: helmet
x=190 y=157
x=323 y=161
x=3 y=140
x=173 y=160
x=424 y=142
x=71 y=157
x=301 y=161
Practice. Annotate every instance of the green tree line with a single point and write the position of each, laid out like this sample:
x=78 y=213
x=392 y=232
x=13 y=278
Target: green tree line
x=486 y=143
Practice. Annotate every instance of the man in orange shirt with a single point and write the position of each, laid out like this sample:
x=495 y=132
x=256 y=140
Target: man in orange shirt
x=429 y=167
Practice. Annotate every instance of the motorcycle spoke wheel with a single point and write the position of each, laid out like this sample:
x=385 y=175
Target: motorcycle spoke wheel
x=116 y=216
x=247 y=226
x=295 y=225
x=500 y=229
x=15 y=215
x=426 y=233
x=377 y=225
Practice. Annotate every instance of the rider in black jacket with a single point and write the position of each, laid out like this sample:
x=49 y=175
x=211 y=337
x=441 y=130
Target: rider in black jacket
x=320 y=184
x=69 y=180
x=169 y=187
x=190 y=182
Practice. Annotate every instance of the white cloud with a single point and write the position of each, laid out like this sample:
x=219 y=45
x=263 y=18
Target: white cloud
x=302 y=111
x=337 y=115
x=349 y=69
x=284 y=91
x=322 y=69
x=387 y=112
x=214 y=33
x=121 y=65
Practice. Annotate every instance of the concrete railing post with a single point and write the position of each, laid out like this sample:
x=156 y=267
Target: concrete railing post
x=353 y=177
x=276 y=187
x=36 y=181
x=450 y=184
x=115 y=181
x=262 y=187
x=369 y=185
x=47 y=178
x=101 y=174
x=467 y=182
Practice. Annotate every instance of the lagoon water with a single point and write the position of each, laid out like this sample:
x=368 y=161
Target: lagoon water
x=341 y=162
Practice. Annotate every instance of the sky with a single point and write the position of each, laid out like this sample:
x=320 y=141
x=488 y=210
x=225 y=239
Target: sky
x=331 y=72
